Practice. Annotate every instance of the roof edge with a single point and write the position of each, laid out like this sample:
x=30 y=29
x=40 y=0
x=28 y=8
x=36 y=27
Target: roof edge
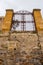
x=36 y=9
x=9 y=9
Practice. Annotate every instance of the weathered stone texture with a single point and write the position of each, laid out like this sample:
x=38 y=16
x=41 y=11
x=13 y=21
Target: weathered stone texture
x=24 y=41
x=18 y=48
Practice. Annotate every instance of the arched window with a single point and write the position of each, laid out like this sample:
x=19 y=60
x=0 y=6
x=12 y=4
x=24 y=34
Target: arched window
x=23 y=21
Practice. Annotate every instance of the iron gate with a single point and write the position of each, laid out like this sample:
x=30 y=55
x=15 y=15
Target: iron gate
x=23 y=21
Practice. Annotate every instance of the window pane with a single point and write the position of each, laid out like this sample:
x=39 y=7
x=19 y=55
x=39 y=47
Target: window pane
x=30 y=27
x=16 y=27
x=19 y=27
x=28 y=18
x=17 y=17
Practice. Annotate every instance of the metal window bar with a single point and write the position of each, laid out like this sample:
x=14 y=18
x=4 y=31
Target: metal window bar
x=23 y=21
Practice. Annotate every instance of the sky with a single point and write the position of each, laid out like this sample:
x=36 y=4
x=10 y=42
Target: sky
x=20 y=5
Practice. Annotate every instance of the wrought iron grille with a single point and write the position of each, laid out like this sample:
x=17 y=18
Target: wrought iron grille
x=23 y=21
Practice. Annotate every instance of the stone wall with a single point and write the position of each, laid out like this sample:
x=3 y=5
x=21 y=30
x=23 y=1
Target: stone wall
x=15 y=48
x=7 y=21
x=26 y=41
x=22 y=41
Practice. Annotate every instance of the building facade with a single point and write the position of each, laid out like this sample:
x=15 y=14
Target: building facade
x=21 y=31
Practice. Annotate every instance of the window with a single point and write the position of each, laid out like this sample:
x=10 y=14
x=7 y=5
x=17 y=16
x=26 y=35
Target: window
x=23 y=22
